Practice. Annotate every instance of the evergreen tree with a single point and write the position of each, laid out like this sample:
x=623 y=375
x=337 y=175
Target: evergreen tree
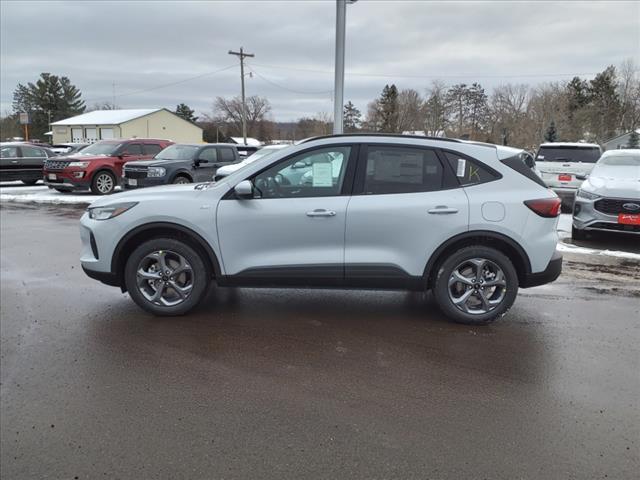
x=634 y=139
x=388 y=109
x=49 y=99
x=185 y=112
x=551 y=135
x=352 y=118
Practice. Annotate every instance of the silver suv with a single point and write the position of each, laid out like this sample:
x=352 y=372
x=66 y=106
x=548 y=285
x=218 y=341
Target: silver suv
x=468 y=221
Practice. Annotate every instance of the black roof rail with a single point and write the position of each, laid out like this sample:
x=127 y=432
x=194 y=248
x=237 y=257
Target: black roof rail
x=394 y=135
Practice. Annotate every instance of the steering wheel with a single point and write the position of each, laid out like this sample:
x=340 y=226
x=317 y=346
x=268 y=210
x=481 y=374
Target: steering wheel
x=281 y=180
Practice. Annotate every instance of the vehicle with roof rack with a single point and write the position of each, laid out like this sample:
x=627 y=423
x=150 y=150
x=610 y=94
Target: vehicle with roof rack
x=470 y=222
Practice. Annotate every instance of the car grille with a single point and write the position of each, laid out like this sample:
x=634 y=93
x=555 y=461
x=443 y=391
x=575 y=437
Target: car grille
x=55 y=165
x=614 y=206
x=136 y=172
x=618 y=227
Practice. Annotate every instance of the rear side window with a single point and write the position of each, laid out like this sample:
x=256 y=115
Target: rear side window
x=133 y=149
x=568 y=154
x=402 y=170
x=227 y=155
x=470 y=172
x=33 y=152
x=151 y=148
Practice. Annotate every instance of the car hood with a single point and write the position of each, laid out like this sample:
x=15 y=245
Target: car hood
x=158 y=163
x=164 y=193
x=625 y=183
x=78 y=157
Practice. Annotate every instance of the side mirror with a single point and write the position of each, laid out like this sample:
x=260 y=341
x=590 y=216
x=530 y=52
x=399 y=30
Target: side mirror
x=244 y=189
x=582 y=177
x=299 y=165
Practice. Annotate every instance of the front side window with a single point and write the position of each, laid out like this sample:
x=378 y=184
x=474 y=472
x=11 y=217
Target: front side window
x=469 y=172
x=402 y=170
x=32 y=152
x=133 y=149
x=208 y=154
x=318 y=173
x=178 y=152
x=8 y=152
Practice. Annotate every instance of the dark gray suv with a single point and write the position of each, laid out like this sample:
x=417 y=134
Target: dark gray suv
x=179 y=163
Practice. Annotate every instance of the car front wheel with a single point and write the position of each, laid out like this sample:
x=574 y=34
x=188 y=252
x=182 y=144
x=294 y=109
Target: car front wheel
x=476 y=285
x=166 y=277
x=103 y=183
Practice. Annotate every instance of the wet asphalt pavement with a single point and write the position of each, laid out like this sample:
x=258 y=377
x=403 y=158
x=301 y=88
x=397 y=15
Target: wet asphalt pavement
x=309 y=384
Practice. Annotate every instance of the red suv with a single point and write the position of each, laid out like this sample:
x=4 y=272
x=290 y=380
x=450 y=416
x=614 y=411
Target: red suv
x=98 y=167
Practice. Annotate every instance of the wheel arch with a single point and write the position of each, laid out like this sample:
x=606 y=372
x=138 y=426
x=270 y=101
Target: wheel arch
x=145 y=232
x=181 y=173
x=512 y=249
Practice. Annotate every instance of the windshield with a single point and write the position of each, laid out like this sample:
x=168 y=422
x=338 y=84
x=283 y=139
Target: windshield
x=621 y=160
x=178 y=152
x=260 y=153
x=568 y=154
x=100 y=149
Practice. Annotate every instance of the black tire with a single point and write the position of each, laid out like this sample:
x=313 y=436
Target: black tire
x=200 y=275
x=566 y=206
x=577 y=234
x=29 y=182
x=101 y=178
x=181 y=179
x=446 y=269
x=61 y=190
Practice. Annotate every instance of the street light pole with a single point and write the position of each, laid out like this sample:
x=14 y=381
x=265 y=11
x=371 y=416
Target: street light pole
x=242 y=55
x=338 y=94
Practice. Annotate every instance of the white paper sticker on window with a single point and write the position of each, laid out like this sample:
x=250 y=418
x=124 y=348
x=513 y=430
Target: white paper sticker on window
x=322 y=174
x=540 y=157
x=462 y=166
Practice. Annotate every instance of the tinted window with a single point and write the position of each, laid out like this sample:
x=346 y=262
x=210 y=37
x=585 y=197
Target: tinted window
x=318 y=173
x=208 y=154
x=468 y=171
x=178 y=152
x=8 y=152
x=106 y=148
x=227 y=155
x=568 y=154
x=133 y=149
x=151 y=149
x=33 y=152
x=402 y=170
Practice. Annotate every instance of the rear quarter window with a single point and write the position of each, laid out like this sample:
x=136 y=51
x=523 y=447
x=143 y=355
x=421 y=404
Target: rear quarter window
x=469 y=171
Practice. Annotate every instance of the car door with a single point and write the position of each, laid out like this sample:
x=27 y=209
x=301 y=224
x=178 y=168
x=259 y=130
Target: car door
x=129 y=153
x=32 y=162
x=292 y=231
x=406 y=202
x=9 y=162
x=205 y=168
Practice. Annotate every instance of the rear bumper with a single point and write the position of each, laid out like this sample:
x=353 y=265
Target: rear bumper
x=548 y=275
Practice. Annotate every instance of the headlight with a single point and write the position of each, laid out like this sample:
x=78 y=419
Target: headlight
x=588 y=195
x=109 y=211
x=79 y=164
x=156 y=172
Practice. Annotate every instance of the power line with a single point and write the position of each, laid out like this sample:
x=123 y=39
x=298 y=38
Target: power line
x=466 y=75
x=253 y=70
x=164 y=85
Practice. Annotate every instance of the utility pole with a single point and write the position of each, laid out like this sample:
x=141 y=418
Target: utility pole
x=338 y=90
x=242 y=56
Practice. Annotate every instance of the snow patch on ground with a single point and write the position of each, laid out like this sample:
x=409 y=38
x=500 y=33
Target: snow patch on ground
x=45 y=195
x=568 y=248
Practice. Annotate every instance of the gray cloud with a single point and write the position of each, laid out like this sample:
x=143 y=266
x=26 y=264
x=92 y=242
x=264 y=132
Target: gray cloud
x=140 y=45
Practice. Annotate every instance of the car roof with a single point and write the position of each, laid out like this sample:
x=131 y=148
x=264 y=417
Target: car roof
x=623 y=152
x=570 y=144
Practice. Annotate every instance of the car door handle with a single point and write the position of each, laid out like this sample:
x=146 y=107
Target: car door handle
x=442 y=210
x=321 y=212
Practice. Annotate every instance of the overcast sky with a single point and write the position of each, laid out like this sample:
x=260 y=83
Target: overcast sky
x=145 y=45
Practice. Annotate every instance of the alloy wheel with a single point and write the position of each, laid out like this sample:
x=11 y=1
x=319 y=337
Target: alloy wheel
x=165 y=278
x=104 y=183
x=477 y=286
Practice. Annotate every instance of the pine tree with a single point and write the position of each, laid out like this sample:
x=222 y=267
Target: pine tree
x=551 y=135
x=352 y=118
x=185 y=112
x=388 y=109
x=50 y=99
x=634 y=139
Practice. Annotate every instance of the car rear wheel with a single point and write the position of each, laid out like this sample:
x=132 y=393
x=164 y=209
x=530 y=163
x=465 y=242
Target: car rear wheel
x=476 y=285
x=181 y=179
x=103 y=183
x=166 y=277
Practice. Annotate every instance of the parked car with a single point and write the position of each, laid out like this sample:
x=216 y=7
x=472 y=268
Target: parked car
x=468 y=221
x=180 y=163
x=98 y=167
x=609 y=200
x=68 y=148
x=559 y=165
x=23 y=162
x=229 y=169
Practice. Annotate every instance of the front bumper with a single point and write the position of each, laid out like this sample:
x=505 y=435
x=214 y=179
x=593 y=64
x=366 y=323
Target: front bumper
x=586 y=217
x=66 y=180
x=548 y=275
x=143 y=182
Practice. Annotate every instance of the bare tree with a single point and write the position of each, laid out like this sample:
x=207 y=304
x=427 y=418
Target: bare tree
x=410 y=110
x=508 y=114
x=436 y=109
x=229 y=112
x=629 y=92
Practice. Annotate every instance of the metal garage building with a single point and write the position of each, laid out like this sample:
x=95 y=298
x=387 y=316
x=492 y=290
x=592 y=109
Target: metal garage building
x=141 y=123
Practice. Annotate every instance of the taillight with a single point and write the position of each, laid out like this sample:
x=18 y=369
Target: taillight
x=545 y=207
